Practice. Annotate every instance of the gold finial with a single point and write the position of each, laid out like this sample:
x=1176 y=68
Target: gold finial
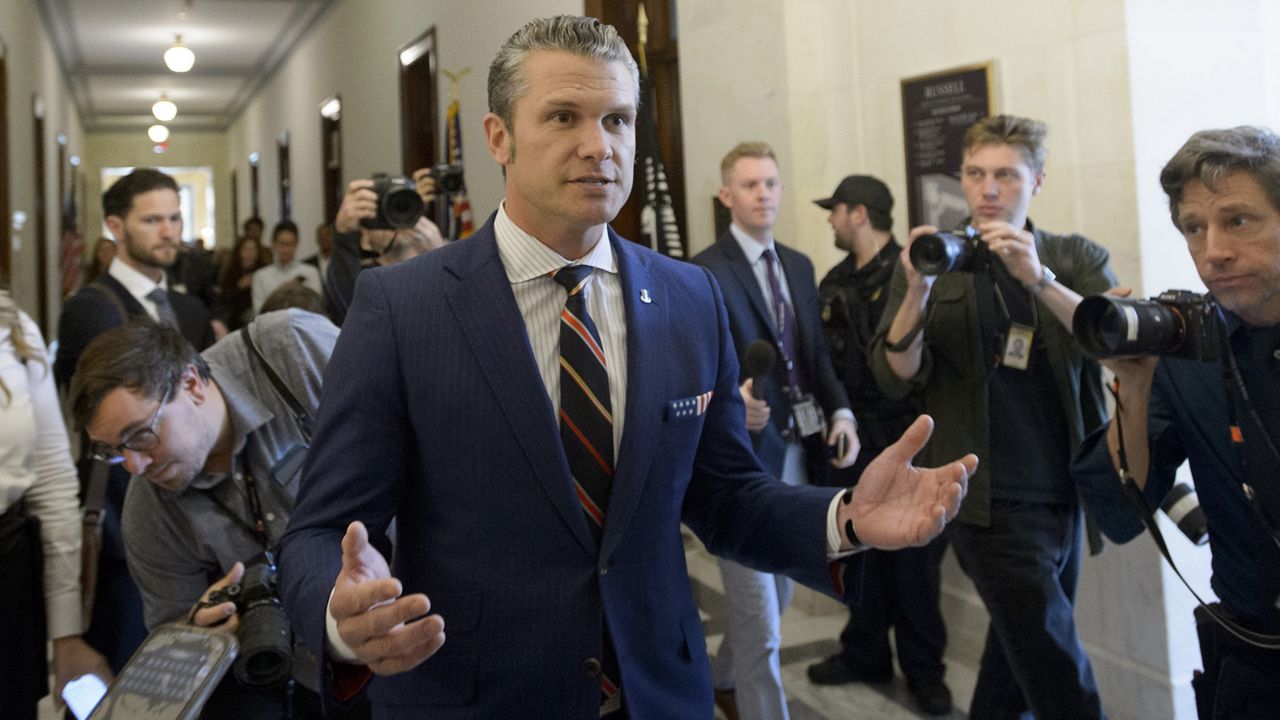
x=455 y=80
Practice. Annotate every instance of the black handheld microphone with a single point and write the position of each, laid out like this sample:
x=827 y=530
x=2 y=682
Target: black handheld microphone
x=758 y=362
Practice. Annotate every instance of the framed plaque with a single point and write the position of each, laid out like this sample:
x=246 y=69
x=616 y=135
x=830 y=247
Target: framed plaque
x=937 y=109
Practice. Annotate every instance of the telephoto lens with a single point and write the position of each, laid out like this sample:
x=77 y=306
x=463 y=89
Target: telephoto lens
x=1183 y=508
x=1177 y=323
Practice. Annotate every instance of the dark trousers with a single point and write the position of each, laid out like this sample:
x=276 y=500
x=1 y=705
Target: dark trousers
x=23 y=676
x=898 y=589
x=1239 y=681
x=1025 y=566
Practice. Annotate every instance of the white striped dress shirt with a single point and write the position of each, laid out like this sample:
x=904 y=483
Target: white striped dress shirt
x=530 y=266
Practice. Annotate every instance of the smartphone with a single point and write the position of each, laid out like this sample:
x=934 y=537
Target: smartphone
x=83 y=694
x=842 y=446
x=171 y=676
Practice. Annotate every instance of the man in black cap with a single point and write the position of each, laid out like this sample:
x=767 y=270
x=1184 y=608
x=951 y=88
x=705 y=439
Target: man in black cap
x=899 y=589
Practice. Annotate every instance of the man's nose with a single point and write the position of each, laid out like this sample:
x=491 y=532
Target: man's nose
x=136 y=462
x=990 y=188
x=594 y=143
x=1218 y=245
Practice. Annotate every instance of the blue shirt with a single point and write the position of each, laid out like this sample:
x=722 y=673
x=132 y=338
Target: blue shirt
x=1188 y=421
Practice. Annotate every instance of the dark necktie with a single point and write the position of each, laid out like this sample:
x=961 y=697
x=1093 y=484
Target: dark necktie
x=784 y=320
x=586 y=420
x=164 y=309
x=586 y=431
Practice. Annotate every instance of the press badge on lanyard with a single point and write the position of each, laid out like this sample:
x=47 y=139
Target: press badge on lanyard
x=808 y=416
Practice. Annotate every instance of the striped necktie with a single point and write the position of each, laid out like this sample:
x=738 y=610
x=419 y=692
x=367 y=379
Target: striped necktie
x=586 y=431
x=586 y=420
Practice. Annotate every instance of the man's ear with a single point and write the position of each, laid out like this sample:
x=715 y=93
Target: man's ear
x=724 y=197
x=194 y=385
x=115 y=224
x=1039 y=183
x=499 y=139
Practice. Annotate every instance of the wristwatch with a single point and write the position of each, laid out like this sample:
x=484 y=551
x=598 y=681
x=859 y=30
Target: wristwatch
x=1046 y=277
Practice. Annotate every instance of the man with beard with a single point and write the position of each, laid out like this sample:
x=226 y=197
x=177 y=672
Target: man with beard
x=142 y=212
x=899 y=588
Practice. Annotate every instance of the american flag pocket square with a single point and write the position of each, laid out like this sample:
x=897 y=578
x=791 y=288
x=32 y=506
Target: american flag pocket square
x=687 y=407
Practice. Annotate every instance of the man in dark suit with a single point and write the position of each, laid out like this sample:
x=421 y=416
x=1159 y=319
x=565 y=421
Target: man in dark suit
x=770 y=294
x=143 y=213
x=480 y=394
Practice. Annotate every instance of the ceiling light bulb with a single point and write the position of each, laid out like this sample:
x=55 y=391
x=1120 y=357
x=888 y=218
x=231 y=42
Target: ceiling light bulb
x=179 y=57
x=158 y=133
x=164 y=109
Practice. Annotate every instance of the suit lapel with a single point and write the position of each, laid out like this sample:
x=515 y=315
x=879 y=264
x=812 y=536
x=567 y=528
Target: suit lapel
x=487 y=314
x=799 y=287
x=646 y=387
x=747 y=279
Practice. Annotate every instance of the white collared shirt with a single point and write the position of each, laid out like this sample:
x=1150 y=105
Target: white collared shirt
x=530 y=265
x=138 y=285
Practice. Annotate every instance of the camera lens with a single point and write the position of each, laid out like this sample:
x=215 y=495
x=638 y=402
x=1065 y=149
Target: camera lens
x=402 y=208
x=1111 y=327
x=266 y=655
x=940 y=253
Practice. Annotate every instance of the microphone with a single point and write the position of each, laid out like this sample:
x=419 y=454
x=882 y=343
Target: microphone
x=758 y=362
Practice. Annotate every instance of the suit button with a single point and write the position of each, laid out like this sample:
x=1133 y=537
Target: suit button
x=604 y=569
x=591 y=668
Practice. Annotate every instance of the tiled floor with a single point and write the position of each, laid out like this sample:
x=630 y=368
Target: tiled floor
x=809 y=631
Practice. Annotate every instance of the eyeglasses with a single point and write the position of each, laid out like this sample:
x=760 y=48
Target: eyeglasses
x=144 y=440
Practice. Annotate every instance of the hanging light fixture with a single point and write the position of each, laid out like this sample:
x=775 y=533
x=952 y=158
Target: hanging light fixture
x=164 y=109
x=158 y=133
x=179 y=57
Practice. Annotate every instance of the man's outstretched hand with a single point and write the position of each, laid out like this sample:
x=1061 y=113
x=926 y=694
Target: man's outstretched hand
x=896 y=504
x=388 y=633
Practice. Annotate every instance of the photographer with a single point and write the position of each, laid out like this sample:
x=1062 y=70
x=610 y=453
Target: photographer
x=357 y=246
x=1224 y=197
x=954 y=338
x=285 y=268
x=220 y=444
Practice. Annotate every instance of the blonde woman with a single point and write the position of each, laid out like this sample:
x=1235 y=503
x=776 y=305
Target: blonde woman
x=39 y=528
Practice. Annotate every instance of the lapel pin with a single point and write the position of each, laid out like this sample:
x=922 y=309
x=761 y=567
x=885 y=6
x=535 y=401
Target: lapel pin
x=644 y=296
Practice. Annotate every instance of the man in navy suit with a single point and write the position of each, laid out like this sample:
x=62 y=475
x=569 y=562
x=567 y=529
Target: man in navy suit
x=770 y=294
x=142 y=211
x=455 y=404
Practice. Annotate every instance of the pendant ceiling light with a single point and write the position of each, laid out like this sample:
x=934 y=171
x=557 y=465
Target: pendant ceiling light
x=158 y=133
x=164 y=109
x=179 y=57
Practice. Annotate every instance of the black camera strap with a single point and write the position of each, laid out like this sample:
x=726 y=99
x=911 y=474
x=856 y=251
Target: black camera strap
x=1238 y=394
x=1138 y=501
x=258 y=529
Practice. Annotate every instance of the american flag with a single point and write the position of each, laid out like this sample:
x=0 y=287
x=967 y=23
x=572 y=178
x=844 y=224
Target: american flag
x=657 y=216
x=460 y=221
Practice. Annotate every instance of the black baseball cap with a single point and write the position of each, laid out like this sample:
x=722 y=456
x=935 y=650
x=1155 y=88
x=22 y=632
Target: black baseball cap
x=860 y=190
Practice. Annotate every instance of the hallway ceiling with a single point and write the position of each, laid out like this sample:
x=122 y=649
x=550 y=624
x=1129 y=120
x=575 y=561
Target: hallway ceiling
x=112 y=54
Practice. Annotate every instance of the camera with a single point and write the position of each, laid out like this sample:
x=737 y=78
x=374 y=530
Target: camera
x=399 y=204
x=266 y=642
x=957 y=251
x=448 y=178
x=1175 y=323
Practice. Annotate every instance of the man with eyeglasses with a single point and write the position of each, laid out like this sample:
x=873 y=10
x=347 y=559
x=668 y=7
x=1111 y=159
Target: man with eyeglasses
x=219 y=446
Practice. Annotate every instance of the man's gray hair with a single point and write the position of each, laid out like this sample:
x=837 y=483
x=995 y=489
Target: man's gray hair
x=1211 y=155
x=581 y=36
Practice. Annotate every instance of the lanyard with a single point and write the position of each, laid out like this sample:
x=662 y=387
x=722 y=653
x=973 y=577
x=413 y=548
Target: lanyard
x=258 y=529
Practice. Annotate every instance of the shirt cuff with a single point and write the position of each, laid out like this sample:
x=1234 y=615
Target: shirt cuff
x=834 y=538
x=844 y=414
x=338 y=650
